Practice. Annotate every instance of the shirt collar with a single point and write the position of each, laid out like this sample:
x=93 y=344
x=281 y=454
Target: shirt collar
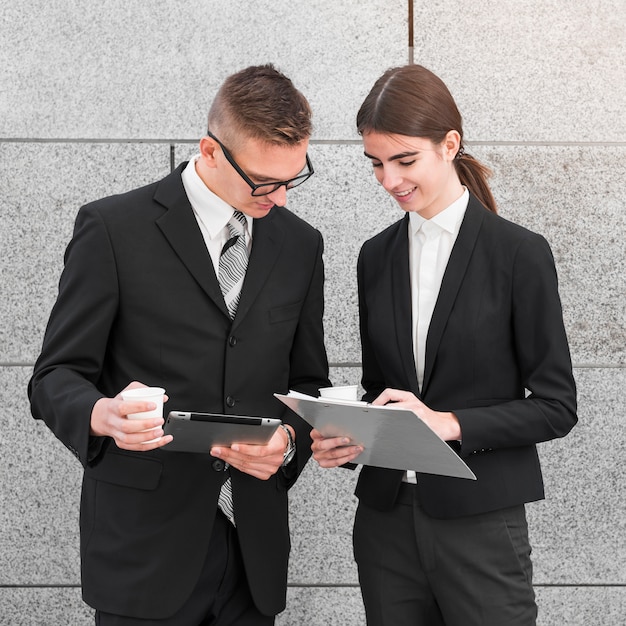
x=449 y=219
x=211 y=209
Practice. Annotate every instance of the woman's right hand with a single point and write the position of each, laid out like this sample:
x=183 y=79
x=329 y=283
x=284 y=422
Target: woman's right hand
x=333 y=451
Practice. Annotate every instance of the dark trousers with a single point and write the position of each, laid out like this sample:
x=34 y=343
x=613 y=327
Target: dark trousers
x=415 y=570
x=221 y=597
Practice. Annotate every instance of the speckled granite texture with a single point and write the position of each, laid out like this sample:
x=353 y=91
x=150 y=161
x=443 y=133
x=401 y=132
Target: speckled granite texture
x=98 y=98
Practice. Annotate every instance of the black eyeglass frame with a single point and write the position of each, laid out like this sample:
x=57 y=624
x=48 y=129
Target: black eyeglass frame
x=288 y=184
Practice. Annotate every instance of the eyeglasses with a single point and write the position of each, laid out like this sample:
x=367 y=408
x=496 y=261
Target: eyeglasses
x=265 y=188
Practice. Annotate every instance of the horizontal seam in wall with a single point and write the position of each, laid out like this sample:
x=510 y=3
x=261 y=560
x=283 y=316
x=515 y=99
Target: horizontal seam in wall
x=355 y=364
x=39 y=586
x=142 y=140
x=353 y=586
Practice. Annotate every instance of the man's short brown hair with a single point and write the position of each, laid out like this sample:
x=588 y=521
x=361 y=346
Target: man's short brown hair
x=260 y=102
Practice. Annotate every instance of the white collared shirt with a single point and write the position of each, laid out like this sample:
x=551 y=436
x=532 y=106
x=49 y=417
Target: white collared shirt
x=212 y=213
x=429 y=254
x=430 y=245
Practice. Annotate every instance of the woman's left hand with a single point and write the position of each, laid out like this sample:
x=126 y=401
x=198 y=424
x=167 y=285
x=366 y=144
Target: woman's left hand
x=445 y=424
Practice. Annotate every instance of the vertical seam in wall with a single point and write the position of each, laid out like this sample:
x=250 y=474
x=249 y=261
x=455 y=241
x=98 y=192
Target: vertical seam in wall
x=410 y=18
x=172 y=157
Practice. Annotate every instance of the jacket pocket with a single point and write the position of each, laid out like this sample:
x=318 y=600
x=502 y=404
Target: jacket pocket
x=485 y=402
x=285 y=313
x=127 y=470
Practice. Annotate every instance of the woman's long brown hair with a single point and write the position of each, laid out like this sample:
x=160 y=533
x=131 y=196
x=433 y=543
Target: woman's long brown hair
x=412 y=101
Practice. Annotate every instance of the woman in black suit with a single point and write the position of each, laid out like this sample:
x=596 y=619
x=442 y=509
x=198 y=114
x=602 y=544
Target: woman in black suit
x=461 y=322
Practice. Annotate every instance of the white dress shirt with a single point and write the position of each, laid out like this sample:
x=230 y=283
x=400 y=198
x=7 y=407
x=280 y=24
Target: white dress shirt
x=211 y=212
x=430 y=245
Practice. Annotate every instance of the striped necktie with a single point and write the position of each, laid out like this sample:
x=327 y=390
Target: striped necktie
x=233 y=262
x=231 y=272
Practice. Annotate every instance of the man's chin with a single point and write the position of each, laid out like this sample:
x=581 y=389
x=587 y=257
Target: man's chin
x=259 y=211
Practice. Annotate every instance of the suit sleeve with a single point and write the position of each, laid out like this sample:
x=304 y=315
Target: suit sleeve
x=543 y=358
x=373 y=380
x=63 y=388
x=308 y=360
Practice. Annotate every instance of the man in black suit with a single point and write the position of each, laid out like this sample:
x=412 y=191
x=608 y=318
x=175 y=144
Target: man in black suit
x=141 y=301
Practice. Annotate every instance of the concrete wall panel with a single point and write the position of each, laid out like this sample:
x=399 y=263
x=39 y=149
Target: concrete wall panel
x=98 y=98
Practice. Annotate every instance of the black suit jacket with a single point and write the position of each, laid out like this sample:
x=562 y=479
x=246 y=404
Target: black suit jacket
x=496 y=331
x=139 y=300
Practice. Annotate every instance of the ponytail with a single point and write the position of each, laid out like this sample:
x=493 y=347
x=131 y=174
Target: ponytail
x=473 y=175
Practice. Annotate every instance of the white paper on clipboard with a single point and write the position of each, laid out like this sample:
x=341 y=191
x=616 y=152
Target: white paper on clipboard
x=391 y=437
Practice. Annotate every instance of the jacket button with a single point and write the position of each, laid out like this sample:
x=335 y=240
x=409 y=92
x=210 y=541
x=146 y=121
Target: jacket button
x=232 y=341
x=218 y=465
x=230 y=402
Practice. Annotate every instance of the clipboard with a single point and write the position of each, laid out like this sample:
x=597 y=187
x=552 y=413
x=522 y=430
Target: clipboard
x=393 y=438
x=199 y=432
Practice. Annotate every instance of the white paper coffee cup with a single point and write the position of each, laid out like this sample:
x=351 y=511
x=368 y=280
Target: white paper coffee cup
x=145 y=394
x=346 y=392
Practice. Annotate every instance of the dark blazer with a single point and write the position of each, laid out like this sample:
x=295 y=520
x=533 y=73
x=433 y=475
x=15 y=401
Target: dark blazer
x=496 y=330
x=139 y=300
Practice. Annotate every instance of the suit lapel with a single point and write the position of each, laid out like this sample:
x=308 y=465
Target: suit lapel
x=180 y=228
x=451 y=283
x=267 y=241
x=401 y=298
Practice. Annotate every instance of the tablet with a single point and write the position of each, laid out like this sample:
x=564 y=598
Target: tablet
x=199 y=432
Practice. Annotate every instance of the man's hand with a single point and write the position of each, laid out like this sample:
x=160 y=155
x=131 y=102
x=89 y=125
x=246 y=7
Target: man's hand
x=445 y=424
x=258 y=461
x=333 y=451
x=108 y=419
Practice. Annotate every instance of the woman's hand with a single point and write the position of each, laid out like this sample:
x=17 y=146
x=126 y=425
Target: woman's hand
x=444 y=424
x=333 y=451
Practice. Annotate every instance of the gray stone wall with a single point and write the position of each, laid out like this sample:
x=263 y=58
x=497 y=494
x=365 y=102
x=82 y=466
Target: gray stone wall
x=100 y=97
